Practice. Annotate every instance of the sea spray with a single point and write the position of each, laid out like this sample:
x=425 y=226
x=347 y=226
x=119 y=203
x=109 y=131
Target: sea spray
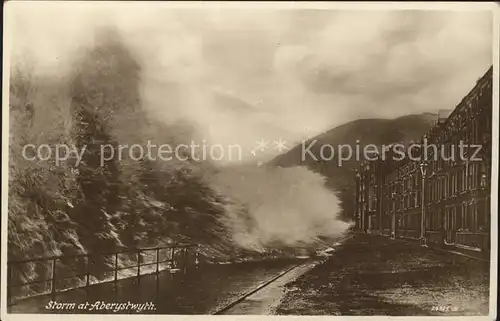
x=278 y=207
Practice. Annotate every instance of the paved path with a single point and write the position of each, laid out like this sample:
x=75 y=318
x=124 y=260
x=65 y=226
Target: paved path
x=373 y=275
x=202 y=291
x=266 y=300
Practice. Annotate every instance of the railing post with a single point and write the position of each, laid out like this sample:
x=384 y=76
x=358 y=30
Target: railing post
x=53 y=279
x=87 y=281
x=184 y=259
x=172 y=265
x=157 y=260
x=116 y=272
x=138 y=266
x=87 y=275
x=116 y=267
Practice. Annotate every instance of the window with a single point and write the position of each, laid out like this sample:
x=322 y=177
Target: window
x=440 y=186
x=466 y=178
x=452 y=184
x=477 y=175
x=445 y=187
x=473 y=218
x=458 y=181
x=458 y=217
x=481 y=216
x=470 y=216
x=483 y=170
x=475 y=132
x=473 y=176
x=469 y=176
x=447 y=218
x=464 y=216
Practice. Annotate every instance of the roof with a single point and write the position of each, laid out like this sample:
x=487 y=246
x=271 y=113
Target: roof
x=443 y=114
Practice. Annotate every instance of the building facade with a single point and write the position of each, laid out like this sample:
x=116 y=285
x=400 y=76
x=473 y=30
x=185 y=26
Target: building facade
x=441 y=194
x=368 y=196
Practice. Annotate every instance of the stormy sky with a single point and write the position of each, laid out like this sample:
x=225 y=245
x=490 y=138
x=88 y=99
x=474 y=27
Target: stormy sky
x=246 y=75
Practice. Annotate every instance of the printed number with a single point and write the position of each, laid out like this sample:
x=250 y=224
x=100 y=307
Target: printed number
x=444 y=308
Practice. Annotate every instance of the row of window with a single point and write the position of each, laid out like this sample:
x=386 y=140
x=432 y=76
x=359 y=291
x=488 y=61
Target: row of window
x=474 y=217
x=439 y=188
x=470 y=177
x=403 y=202
x=481 y=96
x=471 y=132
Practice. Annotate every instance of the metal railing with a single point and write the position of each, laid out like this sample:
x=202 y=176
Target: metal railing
x=84 y=268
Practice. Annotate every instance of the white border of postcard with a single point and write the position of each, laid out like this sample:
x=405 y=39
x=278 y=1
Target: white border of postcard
x=453 y=6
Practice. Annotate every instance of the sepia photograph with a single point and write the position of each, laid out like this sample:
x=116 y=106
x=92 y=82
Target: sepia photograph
x=257 y=159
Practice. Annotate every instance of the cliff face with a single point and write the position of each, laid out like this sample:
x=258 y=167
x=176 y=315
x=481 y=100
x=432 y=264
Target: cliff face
x=108 y=202
x=362 y=132
x=90 y=205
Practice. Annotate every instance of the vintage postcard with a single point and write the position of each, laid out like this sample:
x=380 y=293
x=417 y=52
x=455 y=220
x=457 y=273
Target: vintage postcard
x=252 y=159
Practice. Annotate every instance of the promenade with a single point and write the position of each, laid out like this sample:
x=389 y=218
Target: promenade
x=374 y=275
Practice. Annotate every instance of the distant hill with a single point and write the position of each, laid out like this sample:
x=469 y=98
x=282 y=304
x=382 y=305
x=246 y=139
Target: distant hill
x=363 y=132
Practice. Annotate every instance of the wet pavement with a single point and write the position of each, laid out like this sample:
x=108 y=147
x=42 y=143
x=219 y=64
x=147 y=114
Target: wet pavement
x=373 y=275
x=202 y=290
x=266 y=300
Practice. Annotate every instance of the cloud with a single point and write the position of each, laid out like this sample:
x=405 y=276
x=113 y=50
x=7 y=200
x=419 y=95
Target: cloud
x=426 y=59
x=298 y=72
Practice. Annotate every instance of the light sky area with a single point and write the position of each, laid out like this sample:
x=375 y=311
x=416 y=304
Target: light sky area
x=246 y=75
